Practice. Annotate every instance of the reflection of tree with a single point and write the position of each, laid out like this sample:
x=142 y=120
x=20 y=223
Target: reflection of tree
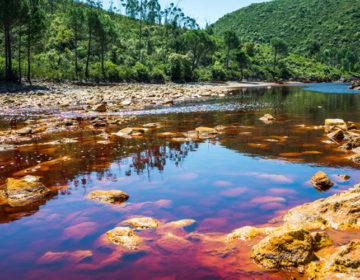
x=157 y=156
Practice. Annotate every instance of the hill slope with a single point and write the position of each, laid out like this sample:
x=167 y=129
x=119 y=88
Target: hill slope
x=332 y=23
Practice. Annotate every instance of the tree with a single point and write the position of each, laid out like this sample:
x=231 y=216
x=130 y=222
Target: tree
x=104 y=31
x=231 y=41
x=92 y=19
x=313 y=47
x=243 y=61
x=9 y=16
x=35 y=26
x=199 y=43
x=76 y=19
x=280 y=47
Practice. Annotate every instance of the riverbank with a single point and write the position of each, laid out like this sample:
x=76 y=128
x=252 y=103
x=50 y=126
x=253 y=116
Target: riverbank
x=43 y=96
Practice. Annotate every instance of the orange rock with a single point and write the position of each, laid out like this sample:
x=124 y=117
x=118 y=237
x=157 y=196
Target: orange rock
x=321 y=181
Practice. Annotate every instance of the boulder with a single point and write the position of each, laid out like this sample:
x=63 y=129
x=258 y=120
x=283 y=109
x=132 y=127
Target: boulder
x=113 y=196
x=24 y=131
x=321 y=182
x=124 y=236
x=101 y=108
x=23 y=191
x=340 y=212
x=331 y=123
x=337 y=135
x=321 y=240
x=142 y=223
x=284 y=250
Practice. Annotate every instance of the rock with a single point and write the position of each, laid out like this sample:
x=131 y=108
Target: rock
x=331 y=123
x=346 y=259
x=248 y=233
x=124 y=236
x=344 y=177
x=343 y=264
x=321 y=182
x=130 y=131
x=353 y=143
x=284 y=250
x=321 y=240
x=337 y=135
x=267 y=118
x=114 y=196
x=24 y=131
x=101 y=108
x=340 y=212
x=142 y=223
x=23 y=191
x=206 y=130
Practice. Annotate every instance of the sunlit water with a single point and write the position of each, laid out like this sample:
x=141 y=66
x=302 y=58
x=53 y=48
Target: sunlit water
x=248 y=175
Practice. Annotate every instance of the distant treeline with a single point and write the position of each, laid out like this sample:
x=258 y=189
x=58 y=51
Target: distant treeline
x=138 y=40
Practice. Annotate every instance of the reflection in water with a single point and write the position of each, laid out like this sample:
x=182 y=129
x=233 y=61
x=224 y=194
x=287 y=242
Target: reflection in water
x=248 y=174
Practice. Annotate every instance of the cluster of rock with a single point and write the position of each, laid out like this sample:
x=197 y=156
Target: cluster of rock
x=295 y=244
x=355 y=85
x=346 y=135
x=44 y=127
x=109 y=97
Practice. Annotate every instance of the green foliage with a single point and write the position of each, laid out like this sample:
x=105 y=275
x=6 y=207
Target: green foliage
x=141 y=73
x=218 y=72
x=180 y=68
x=70 y=40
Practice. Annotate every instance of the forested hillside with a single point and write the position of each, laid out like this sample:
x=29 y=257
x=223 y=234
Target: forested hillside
x=144 y=42
x=328 y=29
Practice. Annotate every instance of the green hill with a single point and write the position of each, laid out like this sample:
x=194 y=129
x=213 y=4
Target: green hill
x=331 y=23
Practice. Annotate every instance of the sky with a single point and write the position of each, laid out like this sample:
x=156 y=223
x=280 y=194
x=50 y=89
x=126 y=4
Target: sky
x=204 y=11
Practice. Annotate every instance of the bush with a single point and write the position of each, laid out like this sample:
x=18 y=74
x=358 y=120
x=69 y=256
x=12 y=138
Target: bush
x=158 y=76
x=218 y=72
x=112 y=72
x=141 y=73
x=180 y=68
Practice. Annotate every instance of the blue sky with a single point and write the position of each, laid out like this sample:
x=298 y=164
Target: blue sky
x=204 y=10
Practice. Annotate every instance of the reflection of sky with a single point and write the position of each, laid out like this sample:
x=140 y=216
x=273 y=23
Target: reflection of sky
x=332 y=88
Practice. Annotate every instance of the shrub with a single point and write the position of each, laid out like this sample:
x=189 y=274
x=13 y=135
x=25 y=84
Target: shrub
x=180 y=68
x=141 y=73
x=218 y=72
x=158 y=76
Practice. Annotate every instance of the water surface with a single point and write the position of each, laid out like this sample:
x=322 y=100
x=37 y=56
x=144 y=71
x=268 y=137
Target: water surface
x=249 y=174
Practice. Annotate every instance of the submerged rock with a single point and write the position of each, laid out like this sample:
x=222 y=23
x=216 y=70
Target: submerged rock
x=142 y=223
x=101 y=108
x=267 y=118
x=72 y=257
x=321 y=182
x=124 y=236
x=131 y=131
x=206 y=130
x=340 y=212
x=284 y=250
x=23 y=191
x=113 y=196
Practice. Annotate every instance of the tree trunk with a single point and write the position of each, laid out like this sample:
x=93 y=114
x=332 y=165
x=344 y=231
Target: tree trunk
x=19 y=55
x=88 y=55
x=140 y=39
x=275 y=57
x=8 y=62
x=102 y=61
x=227 y=59
x=76 y=57
x=29 y=54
